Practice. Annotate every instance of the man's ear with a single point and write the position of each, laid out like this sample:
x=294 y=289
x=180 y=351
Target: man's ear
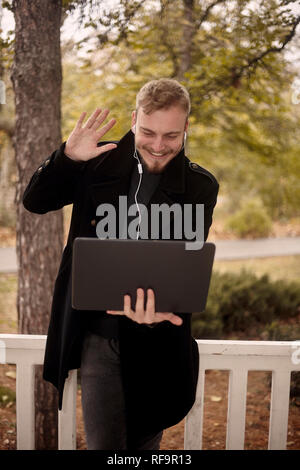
x=133 y=121
x=186 y=125
x=185 y=132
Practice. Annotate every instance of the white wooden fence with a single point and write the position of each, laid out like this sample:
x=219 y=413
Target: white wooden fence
x=26 y=351
x=238 y=357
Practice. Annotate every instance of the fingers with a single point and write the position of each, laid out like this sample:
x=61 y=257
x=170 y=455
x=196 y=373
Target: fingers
x=152 y=316
x=106 y=148
x=127 y=305
x=148 y=316
x=105 y=128
x=91 y=120
x=127 y=308
x=150 y=307
x=169 y=316
x=92 y=124
x=139 y=305
x=99 y=118
x=95 y=119
x=80 y=120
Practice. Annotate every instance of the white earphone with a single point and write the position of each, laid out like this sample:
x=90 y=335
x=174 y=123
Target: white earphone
x=140 y=170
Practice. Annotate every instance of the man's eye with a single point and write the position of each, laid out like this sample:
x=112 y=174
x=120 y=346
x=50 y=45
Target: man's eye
x=172 y=137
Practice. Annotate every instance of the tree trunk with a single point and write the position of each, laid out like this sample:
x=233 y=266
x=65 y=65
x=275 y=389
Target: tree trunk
x=1 y=62
x=188 y=33
x=37 y=77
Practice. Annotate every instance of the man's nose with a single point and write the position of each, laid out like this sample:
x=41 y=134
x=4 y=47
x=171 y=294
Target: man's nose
x=157 y=144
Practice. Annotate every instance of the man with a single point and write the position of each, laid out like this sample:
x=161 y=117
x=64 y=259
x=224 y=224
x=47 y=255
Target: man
x=139 y=367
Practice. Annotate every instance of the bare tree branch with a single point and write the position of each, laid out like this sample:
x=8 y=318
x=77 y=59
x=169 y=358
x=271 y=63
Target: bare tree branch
x=254 y=61
x=130 y=12
x=287 y=39
x=207 y=12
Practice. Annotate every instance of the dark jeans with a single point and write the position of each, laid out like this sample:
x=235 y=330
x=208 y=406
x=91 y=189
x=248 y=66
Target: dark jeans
x=103 y=398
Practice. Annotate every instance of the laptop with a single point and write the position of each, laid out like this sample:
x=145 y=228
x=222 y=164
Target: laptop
x=104 y=270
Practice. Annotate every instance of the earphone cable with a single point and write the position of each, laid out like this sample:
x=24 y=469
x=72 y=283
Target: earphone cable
x=136 y=193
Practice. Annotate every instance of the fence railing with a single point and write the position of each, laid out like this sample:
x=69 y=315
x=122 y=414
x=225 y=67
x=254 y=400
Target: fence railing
x=237 y=357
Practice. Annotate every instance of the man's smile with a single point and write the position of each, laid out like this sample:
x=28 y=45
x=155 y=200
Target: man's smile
x=157 y=154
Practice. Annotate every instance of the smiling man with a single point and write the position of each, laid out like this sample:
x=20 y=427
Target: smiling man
x=160 y=122
x=139 y=367
x=159 y=136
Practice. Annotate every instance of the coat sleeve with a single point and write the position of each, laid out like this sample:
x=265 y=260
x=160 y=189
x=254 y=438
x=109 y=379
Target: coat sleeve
x=54 y=184
x=209 y=205
x=204 y=189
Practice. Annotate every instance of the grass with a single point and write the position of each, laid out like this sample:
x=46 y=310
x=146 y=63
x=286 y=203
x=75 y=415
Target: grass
x=8 y=307
x=6 y=396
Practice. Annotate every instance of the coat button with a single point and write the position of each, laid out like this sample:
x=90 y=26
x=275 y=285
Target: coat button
x=39 y=169
x=93 y=222
x=47 y=161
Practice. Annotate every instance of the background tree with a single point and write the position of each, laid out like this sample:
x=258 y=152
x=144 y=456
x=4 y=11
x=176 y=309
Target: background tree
x=36 y=78
x=230 y=55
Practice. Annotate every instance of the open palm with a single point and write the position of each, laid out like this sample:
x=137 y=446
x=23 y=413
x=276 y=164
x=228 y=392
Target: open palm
x=82 y=142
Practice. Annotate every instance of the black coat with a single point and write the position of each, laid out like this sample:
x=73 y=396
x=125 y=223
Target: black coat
x=160 y=364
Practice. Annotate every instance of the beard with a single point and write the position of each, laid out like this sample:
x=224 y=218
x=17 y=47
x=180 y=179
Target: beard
x=159 y=166
x=154 y=169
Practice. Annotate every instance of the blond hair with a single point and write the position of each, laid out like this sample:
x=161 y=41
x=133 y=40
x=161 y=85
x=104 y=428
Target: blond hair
x=162 y=94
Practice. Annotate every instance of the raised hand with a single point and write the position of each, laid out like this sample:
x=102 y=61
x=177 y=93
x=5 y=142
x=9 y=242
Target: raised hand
x=82 y=142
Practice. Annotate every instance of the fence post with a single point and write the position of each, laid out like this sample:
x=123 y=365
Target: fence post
x=279 y=412
x=237 y=396
x=25 y=407
x=67 y=415
x=194 y=420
